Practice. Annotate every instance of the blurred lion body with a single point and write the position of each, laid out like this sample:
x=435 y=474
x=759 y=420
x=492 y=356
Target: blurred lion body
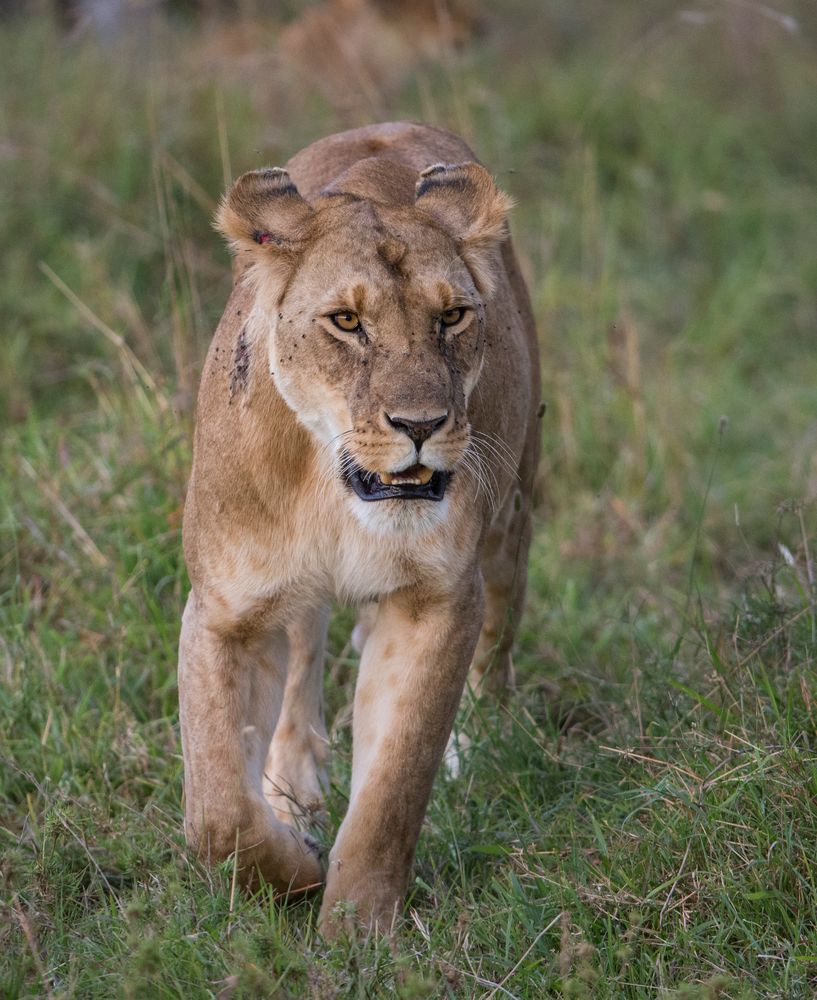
x=369 y=224
x=356 y=50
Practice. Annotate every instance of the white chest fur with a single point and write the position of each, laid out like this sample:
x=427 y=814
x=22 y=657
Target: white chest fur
x=339 y=548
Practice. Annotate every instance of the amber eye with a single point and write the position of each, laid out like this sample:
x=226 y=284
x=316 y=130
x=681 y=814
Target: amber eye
x=452 y=316
x=349 y=322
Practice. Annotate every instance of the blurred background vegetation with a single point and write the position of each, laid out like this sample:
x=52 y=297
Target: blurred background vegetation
x=663 y=157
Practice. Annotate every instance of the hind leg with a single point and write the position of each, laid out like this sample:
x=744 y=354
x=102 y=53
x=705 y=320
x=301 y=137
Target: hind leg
x=504 y=570
x=295 y=773
x=366 y=617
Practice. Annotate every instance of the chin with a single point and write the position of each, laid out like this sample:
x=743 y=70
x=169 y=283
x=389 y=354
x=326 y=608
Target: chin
x=406 y=518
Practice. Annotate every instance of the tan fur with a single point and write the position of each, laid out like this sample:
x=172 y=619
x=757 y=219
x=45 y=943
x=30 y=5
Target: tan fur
x=357 y=51
x=397 y=223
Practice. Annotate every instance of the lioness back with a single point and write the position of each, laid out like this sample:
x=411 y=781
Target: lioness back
x=366 y=431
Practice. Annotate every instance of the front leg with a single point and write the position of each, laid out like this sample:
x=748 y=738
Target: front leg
x=411 y=677
x=230 y=691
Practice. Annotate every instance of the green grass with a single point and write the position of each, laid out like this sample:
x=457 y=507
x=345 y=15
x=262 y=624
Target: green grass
x=641 y=821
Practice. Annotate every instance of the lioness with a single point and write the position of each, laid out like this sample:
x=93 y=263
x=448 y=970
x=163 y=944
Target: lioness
x=366 y=431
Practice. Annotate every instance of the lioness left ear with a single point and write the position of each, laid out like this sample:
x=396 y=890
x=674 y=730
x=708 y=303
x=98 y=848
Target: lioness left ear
x=464 y=200
x=264 y=216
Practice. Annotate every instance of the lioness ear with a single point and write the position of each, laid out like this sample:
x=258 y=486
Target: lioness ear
x=264 y=216
x=464 y=200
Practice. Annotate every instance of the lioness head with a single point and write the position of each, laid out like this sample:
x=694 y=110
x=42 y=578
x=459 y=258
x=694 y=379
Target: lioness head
x=372 y=299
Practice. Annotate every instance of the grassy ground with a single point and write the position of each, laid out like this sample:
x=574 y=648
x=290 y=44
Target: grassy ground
x=642 y=821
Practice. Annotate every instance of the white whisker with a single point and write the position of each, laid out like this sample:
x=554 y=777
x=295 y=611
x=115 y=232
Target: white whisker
x=498 y=461
x=498 y=449
x=474 y=463
x=498 y=442
x=332 y=460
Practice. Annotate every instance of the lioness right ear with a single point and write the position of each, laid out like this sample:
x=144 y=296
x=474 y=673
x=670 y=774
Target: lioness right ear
x=264 y=216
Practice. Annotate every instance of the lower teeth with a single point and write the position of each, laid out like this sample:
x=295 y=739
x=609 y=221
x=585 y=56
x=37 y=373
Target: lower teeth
x=421 y=478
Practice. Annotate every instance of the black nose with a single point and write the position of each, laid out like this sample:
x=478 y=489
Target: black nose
x=418 y=430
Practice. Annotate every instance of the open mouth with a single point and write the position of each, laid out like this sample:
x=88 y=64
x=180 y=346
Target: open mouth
x=416 y=483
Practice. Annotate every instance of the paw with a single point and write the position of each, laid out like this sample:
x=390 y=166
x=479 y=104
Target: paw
x=368 y=901
x=259 y=848
x=294 y=806
x=294 y=784
x=347 y=918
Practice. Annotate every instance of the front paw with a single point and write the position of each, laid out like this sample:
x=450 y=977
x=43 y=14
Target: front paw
x=260 y=850
x=351 y=905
